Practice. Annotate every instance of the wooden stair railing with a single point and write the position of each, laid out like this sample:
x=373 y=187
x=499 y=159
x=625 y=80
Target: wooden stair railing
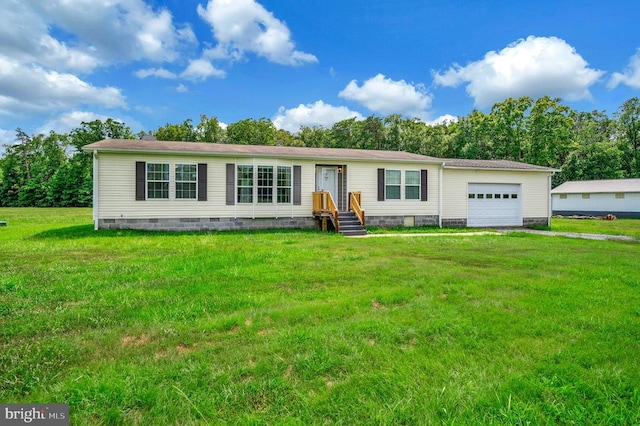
x=355 y=205
x=324 y=207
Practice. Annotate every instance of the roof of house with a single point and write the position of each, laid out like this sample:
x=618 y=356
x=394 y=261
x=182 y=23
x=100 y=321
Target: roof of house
x=598 y=186
x=218 y=149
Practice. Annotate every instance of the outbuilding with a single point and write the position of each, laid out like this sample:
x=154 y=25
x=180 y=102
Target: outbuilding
x=203 y=186
x=620 y=197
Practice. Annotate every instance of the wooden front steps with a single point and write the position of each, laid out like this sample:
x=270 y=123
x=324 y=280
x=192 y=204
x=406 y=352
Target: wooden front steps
x=350 y=226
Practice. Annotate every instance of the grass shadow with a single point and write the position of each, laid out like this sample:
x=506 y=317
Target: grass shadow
x=87 y=231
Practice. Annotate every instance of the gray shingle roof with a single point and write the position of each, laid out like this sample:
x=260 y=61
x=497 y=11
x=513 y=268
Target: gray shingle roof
x=217 y=149
x=598 y=186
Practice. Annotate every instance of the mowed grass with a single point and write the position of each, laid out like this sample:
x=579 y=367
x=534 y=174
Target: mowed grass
x=629 y=227
x=310 y=328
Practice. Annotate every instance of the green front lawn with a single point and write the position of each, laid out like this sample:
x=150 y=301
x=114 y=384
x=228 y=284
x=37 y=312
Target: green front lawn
x=630 y=227
x=305 y=327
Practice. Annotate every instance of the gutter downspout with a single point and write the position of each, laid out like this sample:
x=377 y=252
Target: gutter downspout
x=440 y=171
x=95 y=190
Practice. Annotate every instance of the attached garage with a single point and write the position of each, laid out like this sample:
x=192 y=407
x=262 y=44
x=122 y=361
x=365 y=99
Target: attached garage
x=494 y=204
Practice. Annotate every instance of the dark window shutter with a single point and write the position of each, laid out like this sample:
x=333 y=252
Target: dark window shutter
x=297 y=185
x=141 y=180
x=423 y=185
x=202 y=182
x=231 y=184
x=380 y=184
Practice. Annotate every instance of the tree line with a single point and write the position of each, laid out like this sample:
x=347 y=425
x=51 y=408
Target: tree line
x=52 y=170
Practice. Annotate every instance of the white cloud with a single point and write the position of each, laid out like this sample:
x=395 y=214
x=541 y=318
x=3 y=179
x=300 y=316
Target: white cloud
x=535 y=66
x=443 y=119
x=155 y=72
x=630 y=76
x=386 y=96
x=242 y=26
x=68 y=121
x=181 y=88
x=29 y=88
x=201 y=69
x=106 y=30
x=316 y=114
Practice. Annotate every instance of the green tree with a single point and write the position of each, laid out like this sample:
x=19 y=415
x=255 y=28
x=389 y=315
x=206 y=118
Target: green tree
x=209 y=130
x=548 y=133
x=628 y=135
x=315 y=137
x=252 y=132
x=178 y=132
x=509 y=125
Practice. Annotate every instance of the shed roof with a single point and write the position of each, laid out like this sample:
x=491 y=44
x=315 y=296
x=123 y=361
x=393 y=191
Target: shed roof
x=218 y=149
x=598 y=186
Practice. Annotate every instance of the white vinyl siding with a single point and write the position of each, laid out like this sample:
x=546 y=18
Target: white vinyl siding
x=534 y=190
x=117 y=186
x=597 y=202
x=362 y=176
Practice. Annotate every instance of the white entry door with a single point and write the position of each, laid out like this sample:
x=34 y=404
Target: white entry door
x=494 y=204
x=327 y=180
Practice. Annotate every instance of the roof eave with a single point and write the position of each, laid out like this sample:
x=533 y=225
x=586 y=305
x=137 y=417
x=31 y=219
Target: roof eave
x=262 y=155
x=502 y=169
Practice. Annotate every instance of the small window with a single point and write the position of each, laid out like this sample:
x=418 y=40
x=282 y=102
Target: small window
x=157 y=181
x=514 y=196
x=472 y=196
x=505 y=196
x=563 y=196
x=480 y=196
x=586 y=196
x=392 y=184
x=186 y=181
x=620 y=195
x=245 y=184
x=284 y=184
x=412 y=185
x=496 y=196
x=489 y=196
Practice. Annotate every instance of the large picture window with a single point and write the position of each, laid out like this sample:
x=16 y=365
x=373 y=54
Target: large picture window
x=245 y=184
x=284 y=184
x=265 y=184
x=157 y=181
x=412 y=185
x=186 y=181
x=392 y=184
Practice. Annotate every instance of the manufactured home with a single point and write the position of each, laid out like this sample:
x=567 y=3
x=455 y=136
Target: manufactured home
x=162 y=185
x=620 y=197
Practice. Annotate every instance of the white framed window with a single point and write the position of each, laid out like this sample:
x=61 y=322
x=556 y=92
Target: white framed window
x=620 y=195
x=245 y=184
x=412 y=184
x=186 y=181
x=265 y=184
x=586 y=196
x=393 y=183
x=158 y=181
x=284 y=185
x=563 y=196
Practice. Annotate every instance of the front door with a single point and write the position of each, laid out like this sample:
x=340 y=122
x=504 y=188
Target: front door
x=327 y=180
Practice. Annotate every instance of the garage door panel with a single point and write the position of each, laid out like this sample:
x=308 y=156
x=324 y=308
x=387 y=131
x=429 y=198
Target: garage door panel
x=494 y=205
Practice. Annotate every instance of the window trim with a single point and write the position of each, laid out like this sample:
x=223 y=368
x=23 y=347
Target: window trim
x=264 y=193
x=149 y=181
x=417 y=186
x=283 y=187
x=238 y=186
x=176 y=181
x=394 y=185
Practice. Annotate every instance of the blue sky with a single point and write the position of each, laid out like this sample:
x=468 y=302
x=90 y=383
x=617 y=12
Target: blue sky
x=305 y=62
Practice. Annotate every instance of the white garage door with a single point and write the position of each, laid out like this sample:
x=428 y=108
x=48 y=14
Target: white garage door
x=494 y=204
